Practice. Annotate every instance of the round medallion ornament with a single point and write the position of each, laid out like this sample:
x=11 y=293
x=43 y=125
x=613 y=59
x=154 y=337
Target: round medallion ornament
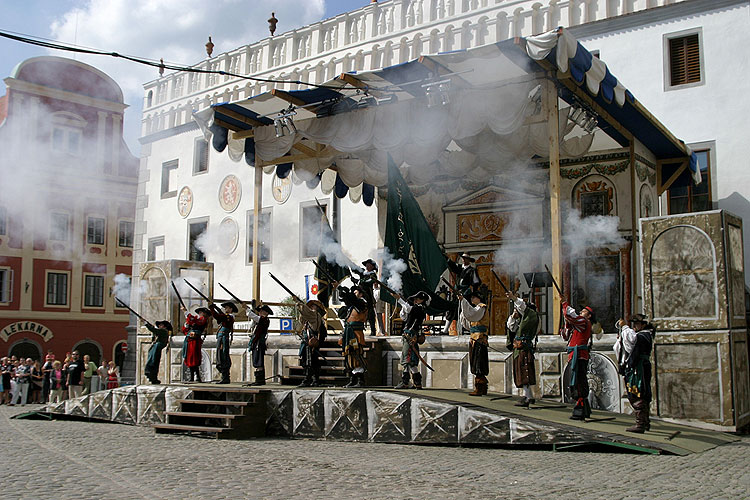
x=229 y=235
x=230 y=192
x=604 y=383
x=185 y=202
x=282 y=188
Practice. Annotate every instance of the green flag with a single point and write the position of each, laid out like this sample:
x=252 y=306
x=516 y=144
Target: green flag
x=408 y=237
x=331 y=271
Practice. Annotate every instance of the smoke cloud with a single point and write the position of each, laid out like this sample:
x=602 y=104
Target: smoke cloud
x=392 y=269
x=122 y=288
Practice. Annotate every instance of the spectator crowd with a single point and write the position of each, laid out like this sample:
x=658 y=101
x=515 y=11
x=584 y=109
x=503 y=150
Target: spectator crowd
x=27 y=381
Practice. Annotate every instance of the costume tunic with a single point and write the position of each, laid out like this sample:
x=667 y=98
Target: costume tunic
x=160 y=341
x=415 y=315
x=638 y=368
x=314 y=328
x=257 y=344
x=475 y=320
x=367 y=282
x=353 y=338
x=577 y=331
x=195 y=326
x=223 y=339
x=525 y=329
x=467 y=280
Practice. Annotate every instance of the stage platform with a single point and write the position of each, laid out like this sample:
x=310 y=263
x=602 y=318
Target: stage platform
x=378 y=414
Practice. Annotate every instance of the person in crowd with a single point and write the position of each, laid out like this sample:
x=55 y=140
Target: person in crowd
x=523 y=327
x=467 y=280
x=74 y=371
x=577 y=332
x=369 y=286
x=633 y=351
x=102 y=372
x=46 y=370
x=36 y=382
x=57 y=378
x=23 y=381
x=7 y=373
x=113 y=375
x=88 y=373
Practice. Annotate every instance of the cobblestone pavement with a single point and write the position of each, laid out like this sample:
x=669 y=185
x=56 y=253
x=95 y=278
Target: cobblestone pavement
x=82 y=460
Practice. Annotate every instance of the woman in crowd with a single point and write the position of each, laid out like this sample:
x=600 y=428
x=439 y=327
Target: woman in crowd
x=36 y=383
x=113 y=375
x=56 y=382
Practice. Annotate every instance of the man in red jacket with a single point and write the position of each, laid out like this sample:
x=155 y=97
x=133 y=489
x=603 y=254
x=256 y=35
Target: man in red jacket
x=577 y=331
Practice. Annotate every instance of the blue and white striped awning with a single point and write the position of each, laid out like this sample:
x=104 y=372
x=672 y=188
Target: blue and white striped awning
x=521 y=61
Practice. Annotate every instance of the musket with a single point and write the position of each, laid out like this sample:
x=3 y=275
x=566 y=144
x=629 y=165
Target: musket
x=451 y=287
x=199 y=293
x=123 y=304
x=326 y=274
x=287 y=290
x=386 y=287
x=178 y=295
x=236 y=299
x=553 y=280
x=419 y=356
x=501 y=282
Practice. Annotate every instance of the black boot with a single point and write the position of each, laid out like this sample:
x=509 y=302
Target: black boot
x=358 y=379
x=404 y=384
x=198 y=374
x=260 y=377
x=417 y=380
x=307 y=382
x=352 y=380
x=224 y=378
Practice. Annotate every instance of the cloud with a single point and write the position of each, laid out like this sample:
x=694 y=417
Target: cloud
x=175 y=30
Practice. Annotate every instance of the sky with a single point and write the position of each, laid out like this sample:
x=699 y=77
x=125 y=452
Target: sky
x=175 y=30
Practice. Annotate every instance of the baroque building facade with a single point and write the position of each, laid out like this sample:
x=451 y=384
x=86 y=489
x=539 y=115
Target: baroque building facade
x=67 y=211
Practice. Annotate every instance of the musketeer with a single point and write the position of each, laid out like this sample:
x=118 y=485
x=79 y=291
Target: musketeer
x=161 y=334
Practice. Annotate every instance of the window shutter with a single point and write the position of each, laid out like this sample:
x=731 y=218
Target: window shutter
x=684 y=60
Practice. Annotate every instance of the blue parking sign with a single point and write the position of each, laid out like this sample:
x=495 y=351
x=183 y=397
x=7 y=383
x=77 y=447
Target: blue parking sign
x=285 y=324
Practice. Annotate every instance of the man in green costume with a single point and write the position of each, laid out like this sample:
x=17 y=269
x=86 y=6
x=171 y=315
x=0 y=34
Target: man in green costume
x=524 y=323
x=161 y=334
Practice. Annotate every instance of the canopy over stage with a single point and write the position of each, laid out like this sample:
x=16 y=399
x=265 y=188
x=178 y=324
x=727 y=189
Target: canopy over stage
x=476 y=117
x=377 y=415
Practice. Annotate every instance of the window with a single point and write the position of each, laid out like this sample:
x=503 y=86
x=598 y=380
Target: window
x=200 y=156
x=3 y=221
x=66 y=140
x=95 y=231
x=125 y=234
x=6 y=285
x=310 y=231
x=195 y=229
x=122 y=286
x=57 y=289
x=156 y=248
x=93 y=291
x=58 y=226
x=595 y=203
x=684 y=59
x=684 y=196
x=169 y=179
x=264 y=235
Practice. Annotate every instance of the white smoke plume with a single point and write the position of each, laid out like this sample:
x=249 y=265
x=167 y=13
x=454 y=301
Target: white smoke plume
x=595 y=231
x=218 y=240
x=122 y=288
x=392 y=269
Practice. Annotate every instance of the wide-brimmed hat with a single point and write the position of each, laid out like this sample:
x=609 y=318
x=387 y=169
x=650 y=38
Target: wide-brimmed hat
x=164 y=324
x=316 y=303
x=230 y=305
x=370 y=261
x=422 y=295
x=266 y=308
x=202 y=310
x=467 y=256
x=639 y=318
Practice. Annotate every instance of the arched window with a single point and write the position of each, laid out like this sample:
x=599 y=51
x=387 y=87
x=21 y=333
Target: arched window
x=26 y=348
x=91 y=348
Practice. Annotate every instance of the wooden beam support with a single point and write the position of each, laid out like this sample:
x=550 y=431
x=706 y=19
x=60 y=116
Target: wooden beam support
x=257 y=204
x=282 y=159
x=305 y=149
x=222 y=123
x=553 y=138
x=634 y=246
x=283 y=94
x=244 y=134
x=241 y=118
x=670 y=181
